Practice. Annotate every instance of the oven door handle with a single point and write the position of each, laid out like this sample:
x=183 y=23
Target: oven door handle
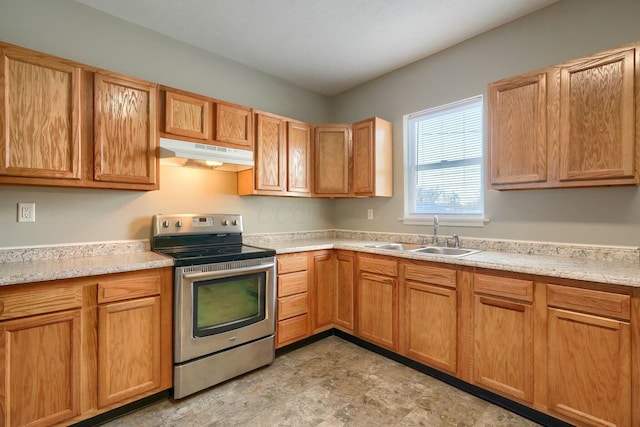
x=228 y=273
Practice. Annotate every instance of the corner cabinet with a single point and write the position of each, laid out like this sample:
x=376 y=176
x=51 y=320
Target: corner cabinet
x=569 y=125
x=332 y=158
x=125 y=131
x=72 y=349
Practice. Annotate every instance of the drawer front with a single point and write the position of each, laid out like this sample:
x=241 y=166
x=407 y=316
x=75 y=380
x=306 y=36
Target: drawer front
x=292 y=262
x=128 y=286
x=504 y=286
x=442 y=276
x=23 y=301
x=378 y=265
x=291 y=330
x=589 y=301
x=293 y=283
x=294 y=305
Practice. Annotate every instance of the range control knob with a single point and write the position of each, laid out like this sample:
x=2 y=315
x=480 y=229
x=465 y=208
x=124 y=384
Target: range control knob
x=165 y=224
x=179 y=224
x=225 y=222
x=234 y=222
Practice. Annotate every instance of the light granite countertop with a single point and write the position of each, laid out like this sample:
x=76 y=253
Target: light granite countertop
x=602 y=264
x=578 y=268
x=40 y=270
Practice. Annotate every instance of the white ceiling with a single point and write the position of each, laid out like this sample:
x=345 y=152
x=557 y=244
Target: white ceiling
x=327 y=46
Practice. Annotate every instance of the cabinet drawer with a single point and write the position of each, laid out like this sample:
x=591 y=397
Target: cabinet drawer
x=128 y=286
x=23 y=301
x=293 y=306
x=292 y=329
x=442 y=276
x=504 y=286
x=378 y=265
x=590 y=301
x=292 y=262
x=293 y=283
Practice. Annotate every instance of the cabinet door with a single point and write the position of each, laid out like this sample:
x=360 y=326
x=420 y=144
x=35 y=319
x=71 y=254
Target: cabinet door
x=589 y=363
x=125 y=134
x=324 y=268
x=187 y=115
x=39 y=116
x=40 y=375
x=234 y=126
x=345 y=290
x=597 y=118
x=363 y=158
x=331 y=167
x=431 y=326
x=270 y=153
x=128 y=349
x=378 y=309
x=298 y=157
x=518 y=129
x=503 y=346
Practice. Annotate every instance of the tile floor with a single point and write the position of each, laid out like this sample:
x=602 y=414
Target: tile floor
x=328 y=383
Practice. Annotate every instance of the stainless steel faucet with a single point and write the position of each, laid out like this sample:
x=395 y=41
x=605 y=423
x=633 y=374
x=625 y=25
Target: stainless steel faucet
x=434 y=240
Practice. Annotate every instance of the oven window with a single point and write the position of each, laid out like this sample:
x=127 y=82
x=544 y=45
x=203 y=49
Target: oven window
x=228 y=303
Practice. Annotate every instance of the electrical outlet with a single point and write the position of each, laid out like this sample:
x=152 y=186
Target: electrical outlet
x=369 y=213
x=26 y=212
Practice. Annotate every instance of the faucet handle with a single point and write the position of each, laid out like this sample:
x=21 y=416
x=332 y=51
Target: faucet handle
x=456 y=241
x=446 y=242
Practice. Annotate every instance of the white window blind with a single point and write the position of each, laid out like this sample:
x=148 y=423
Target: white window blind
x=444 y=162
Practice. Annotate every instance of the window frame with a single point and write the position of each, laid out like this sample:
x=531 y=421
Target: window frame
x=410 y=168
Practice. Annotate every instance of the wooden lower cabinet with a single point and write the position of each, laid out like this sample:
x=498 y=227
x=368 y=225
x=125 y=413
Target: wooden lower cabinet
x=589 y=357
x=293 y=321
x=430 y=310
x=323 y=289
x=66 y=357
x=377 y=301
x=345 y=291
x=503 y=336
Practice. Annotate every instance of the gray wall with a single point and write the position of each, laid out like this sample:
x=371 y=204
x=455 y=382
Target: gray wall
x=73 y=31
x=566 y=30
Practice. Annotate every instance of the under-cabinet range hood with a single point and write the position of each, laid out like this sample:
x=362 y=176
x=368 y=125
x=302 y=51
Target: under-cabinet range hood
x=182 y=153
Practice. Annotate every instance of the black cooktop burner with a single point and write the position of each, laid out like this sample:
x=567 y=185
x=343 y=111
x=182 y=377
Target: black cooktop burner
x=206 y=255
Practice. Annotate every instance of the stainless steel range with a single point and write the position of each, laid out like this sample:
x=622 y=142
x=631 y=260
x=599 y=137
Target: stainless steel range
x=224 y=299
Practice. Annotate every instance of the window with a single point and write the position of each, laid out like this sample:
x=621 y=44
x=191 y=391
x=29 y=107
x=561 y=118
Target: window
x=444 y=166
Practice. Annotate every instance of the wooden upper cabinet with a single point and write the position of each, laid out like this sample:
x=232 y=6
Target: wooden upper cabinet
x=298 y=157
x=39 y=115
x=332 y=149
x=597 y=118
x=270 y=153
x=570 y=125
x=187 y=115
x=125 y=136
x=518 y=129
x=372 y=158
x=234 y=125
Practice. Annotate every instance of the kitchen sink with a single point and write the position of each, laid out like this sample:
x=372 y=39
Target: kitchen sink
x=440 y=250
x=421 y=249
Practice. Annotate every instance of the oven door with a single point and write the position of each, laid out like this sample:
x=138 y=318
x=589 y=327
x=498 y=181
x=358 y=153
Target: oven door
x=223 y=305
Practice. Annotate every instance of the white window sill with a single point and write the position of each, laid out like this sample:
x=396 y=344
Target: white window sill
x=446 y=221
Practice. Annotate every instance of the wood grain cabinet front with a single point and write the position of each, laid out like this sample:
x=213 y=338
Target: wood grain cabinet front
x=293 y=306
x=503 y=335
x=430 y=310
x=568 y=125
x=69 y=354
x=589 y=356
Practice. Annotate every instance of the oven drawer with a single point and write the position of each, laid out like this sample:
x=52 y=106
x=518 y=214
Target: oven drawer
x=293 y=306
